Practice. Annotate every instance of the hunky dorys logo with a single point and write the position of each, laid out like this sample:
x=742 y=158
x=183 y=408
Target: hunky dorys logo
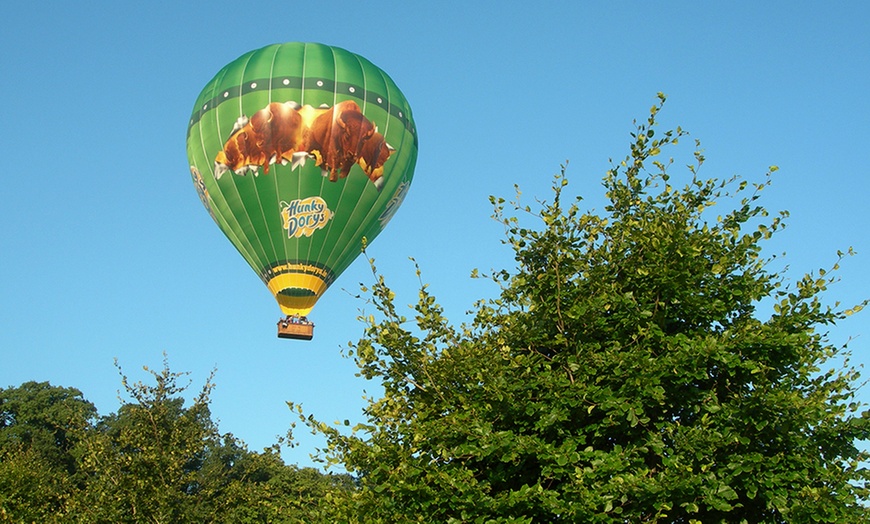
x=302 y=217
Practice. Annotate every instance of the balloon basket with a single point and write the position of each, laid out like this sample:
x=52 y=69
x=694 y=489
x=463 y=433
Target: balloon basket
x=295 y=327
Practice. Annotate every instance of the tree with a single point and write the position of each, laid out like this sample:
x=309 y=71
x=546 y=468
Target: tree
x=161 y=461
x=630 y=370
x=155 y=460
x=40 y=426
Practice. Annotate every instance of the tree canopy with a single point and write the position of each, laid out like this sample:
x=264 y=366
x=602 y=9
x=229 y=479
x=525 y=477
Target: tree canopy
x=645 y=364
x=40 y=428
x=157 y=460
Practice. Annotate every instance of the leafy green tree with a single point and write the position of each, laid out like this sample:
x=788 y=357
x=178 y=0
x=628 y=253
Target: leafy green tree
x=155 y=460
x=40 y=426
x=159 y=460
x=642 y=365
x=306 y=495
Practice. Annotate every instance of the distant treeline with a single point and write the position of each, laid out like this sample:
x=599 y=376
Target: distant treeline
x=155 y=460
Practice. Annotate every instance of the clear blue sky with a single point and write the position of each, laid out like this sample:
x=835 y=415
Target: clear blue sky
x=105 y=250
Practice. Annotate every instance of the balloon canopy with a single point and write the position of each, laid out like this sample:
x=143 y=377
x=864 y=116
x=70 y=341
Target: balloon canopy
x=299 y=152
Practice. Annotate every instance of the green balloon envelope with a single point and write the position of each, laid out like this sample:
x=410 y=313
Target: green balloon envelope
x=299 y=152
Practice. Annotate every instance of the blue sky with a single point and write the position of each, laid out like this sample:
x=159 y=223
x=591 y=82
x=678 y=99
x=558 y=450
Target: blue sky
x=106 y=252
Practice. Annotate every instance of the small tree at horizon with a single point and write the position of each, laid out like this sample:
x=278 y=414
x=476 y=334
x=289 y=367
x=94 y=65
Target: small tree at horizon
x=627 y=372
x=159 y=458
x=162 y=459
x=40 y=428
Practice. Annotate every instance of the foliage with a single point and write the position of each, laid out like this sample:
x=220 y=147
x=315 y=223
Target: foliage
x=627 y=372
x=40 y=425
x=148 y=461
x=156 y=460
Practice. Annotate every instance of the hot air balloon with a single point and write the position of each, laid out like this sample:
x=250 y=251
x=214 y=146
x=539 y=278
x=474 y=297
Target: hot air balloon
x=301 y=153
